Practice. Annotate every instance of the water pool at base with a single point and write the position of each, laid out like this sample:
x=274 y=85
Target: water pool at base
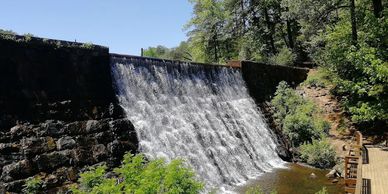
x=294 y=180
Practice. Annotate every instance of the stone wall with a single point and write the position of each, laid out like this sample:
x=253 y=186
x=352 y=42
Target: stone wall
x=58 y=112
x=262 y=79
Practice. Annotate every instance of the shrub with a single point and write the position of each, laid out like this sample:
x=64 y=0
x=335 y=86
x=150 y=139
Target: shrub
x=319 y=153
x=135 y=175
x=285 y=102
x=322 y=191
x=7 y=34
x=299 y=118
x=320 y=78
x=28 y=37
x=257 y=190
x=87 y=45
x=33 y=185
x=284 y=57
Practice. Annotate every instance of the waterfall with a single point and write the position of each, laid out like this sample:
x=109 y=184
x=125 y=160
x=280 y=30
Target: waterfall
x=200 y=113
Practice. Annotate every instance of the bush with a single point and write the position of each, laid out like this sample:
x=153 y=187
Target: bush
x=284 y=57
x=87 y=45
x=285 y=102
x=360 y=73
x=299 y=118
x=320 y=78
x=319 y=153
x=135 y=175
x=322 y=191
x=33 y=185
x=257 y=190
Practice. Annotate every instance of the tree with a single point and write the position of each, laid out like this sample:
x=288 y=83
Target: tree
x=352 y=8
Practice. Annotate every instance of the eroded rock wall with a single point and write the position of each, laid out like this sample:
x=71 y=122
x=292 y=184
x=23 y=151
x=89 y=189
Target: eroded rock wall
x=58 y=113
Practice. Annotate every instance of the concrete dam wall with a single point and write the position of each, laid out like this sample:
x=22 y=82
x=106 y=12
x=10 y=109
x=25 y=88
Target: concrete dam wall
x=60 y=107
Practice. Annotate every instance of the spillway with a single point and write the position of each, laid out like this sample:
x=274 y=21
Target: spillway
x=200 y=113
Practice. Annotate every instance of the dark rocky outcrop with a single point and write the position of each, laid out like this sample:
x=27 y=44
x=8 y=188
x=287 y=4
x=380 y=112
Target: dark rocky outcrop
x=58 y=113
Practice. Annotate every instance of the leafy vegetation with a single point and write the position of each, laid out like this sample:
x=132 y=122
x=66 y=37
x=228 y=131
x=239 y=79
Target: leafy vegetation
x=348 y=39
x=322 y=191
x=257 y=190
x=135 y=175
x=298 y=117
x=33 y=185
x=301 y=121
x=318 y=153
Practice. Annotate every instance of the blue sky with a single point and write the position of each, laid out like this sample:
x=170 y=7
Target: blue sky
x=124 y=26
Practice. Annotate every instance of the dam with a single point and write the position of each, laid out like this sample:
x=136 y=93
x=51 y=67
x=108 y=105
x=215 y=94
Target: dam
x=67 y=107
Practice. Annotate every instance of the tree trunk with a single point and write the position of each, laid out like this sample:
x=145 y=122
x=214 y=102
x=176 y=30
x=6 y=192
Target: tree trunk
x=289 y=35
x=377 y=8
x=353 y=22
x=271 y=31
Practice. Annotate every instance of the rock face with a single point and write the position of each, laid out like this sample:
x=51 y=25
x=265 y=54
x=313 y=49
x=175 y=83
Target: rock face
x=58 y=113
x=58 y=158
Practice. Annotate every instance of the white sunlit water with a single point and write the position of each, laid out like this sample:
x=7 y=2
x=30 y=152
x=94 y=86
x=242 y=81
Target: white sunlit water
x=201 y=114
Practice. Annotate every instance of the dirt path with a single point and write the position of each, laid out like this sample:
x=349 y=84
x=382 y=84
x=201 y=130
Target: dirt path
x=340 y=125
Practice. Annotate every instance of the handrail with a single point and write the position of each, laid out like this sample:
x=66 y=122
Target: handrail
x=353 y=166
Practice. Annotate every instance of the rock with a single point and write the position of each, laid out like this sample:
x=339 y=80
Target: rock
x=344 y=147
x=93 y=126
x=50 y=161
x=32 y=146
x=118 y=148
x=99 y=152
x=331 y=174
x=65 y=143
x=76 y=128
x=18 y=170
x=51 y=128
x=8 y=148
x=83 y=157
x=334 y=181
x=19 y=131
x=283 y=153
x=313 y=176
x=14 y=186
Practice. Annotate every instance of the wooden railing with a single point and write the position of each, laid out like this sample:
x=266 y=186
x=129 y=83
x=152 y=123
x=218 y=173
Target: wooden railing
x=353 y=166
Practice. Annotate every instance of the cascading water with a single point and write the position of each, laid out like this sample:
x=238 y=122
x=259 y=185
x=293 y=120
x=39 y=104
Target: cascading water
x=202 y=114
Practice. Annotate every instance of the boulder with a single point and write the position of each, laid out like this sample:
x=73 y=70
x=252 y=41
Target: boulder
x=51 y=128
x=53 y=160
x=65 y=143
x=99 y=152
x=18 y=170
x=313 y=176
x=331 y=174
x=32 y=145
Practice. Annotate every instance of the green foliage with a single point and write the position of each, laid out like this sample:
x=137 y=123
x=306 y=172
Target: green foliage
x=297 y=116
x=319 y=153
x=257 y=190
x=321 y=78
x=28 y=37
x=360 y=74
x=135 y=175
x=284 y=57
x=33 y=185
x=322 y=191
x=87 y=45
x=7 y=34
x=182 y=52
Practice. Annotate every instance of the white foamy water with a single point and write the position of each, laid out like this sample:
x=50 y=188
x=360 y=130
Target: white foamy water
x=201 y=114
